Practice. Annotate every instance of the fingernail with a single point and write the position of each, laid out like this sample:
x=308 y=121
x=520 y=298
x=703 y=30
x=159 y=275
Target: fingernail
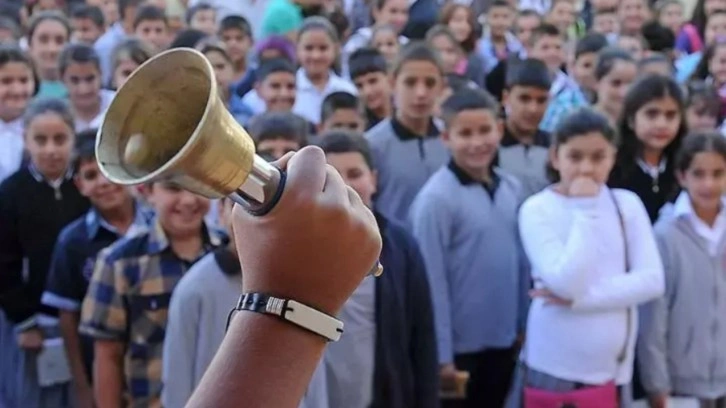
x=377 y=270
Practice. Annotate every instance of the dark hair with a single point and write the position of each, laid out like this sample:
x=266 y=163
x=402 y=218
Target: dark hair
x=323 y=24
x=607 y=58
x=544 y=30
x=42 y=16
x=235 y=23
x=379 y=4
x=340 y=21
x=416 y=51
x=382 y=28
x=346 y=141
x=188 y=38
x=85 y=148
x=133 y=49
x=273 y=66
x=212 y=44
x=467 y=99
x=457 y=82
x=646 y=89
x=124 y=4
x=655 y=58
x=702 y=70
x=702 y=142
x=503 y=3
x=12 y=53
x=86 y=12
x=529 y=72
x=364 y=61
x=442 y=30
x=699 y=17
x=447 y=13
x=279 y=125
x=590 y=43
x=337 y=101
x=191 y=11
x=78 y=54
x=150 y=13
x=705 y=94
x=659 y=38
x=580 y=122
x=605 y=11
x=49 y=105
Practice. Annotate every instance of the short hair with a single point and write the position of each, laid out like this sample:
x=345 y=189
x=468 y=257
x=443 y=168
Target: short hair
x=150 y=13
x=528 y=72
x=79 y=54
x=340 y=141
x=279 y=125
x=235 y=23
x=85 y=148
x=188 y=38
x=416 y=51
x=337 y=101
x=273 y=66
x=659 y=38
x=340 y=21
x=93 y=13
x=544 y=30
x=503 y=4
x=191 y=11
x=467 y=99
x=590 y=43
x=365 y=61
x=124 y=4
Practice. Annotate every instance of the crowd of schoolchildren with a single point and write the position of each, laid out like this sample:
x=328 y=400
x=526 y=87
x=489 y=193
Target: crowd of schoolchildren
x=548 y=178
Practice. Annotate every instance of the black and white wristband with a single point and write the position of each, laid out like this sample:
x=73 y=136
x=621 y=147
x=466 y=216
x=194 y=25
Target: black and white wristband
x=292 y=311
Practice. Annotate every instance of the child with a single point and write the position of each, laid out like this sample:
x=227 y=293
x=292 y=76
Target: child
x=547 y=46
x=368 y=71
x=669 y=13
x=632 y=15
x=152 y=27
x=594 y=260
x=651 y=127
x=54 y=30
x=128 y=56
x=562 y=15
x=202 y=17
x=18 y=84
x=524 y=25
x=712 y=68
x=524 y=147
x=88 y=24
x=36 y=203
x=460 y=19
x=113 y=214
x=635 y=44
x=691 y=37
x=714 y=31
x=681 y=350
x=703 y=107
x=471 y=273
x=80 y=71
x=656 y=63
x=341 y=110
x=236 y=33
x=393 y=13
x=275 y=87
x=391 y=316
x=385 y=40
x=498 y=43
x=277 y=133
x=615 y=72
x=660 y=40
x=318 y=49
x=126 y=308
x=406 y=147
x=442 y=40
x=116 y=34
x=606 y=22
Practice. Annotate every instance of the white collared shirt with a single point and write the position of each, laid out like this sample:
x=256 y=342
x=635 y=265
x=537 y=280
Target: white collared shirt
x=712 y=234
x=11 y=151
x=106 y=99
x=309 y=99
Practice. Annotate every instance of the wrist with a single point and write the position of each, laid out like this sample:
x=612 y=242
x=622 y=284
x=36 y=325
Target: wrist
x=316 y=299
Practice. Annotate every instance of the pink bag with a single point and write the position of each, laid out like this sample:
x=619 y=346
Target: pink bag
x=601 y=396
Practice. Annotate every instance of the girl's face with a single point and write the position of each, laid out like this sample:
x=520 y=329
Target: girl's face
x=611 y=88
x=16 y=88
x=449 y=52
x=715 y=28
x=705 y=180
x=709 y=6
x=656 y=123
x=393 y=12
x=633 y=14
x=417 y=87
x=386 y=42
x=717 y=65
x=83 y=81
x=223 y=71
x=316 y=52
x=589 y=155
x=672 y=17
x=48 y=39
x=123 y=71
x=49 y=141
x=700 y=117
x=459 y=24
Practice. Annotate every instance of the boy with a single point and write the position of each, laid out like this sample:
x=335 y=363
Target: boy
x=202 y=17
x=277 y=133
x=275 y=88
x=499 y=42
x=368 y=71
x=547 y=46
x=113 y=214
x=115 y=35
x=341 y=110
x=564 y=16
x=606 y=23
x=88 y=24
x=523 y=151
x=125 y=310
x=236 y=33
x=472 y=255
x=152 y=27
x=390 y=361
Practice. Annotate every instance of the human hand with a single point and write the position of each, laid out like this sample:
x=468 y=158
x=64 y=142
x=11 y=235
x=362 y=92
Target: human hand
x=658 y=401
x=31 y=340
x=549 y=297
x=584 y=187
x=317 y=243
x=448 y=376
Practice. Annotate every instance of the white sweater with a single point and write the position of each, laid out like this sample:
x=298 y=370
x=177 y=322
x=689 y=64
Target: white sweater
x=575 y=246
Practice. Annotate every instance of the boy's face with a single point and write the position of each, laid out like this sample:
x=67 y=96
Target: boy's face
x=104 y=195
x=356 y=173
x=205 y=21
x=548 y=49
x=180 y=212
x=85 y=31
x=584 y=70
x=605 y=23
x=472 y=136
x=276 y=148
x=524 y=28
x=238 y=44
x=562 y=15
x=417 y=88
x=223 y=72
x=154 y=32
x=526 y=105
x=499 y=20
x=373 y=89
x=278 y=91
x=346 y=119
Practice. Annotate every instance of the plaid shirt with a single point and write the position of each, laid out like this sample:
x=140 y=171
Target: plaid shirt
x=128 y=300
x=563 y=103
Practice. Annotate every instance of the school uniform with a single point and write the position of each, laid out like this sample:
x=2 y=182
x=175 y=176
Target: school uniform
x=488 y=53
x=526 y=162
x=654 y=185
x=11 y=139
x=106 y=99
x=360 y=38
x=309 y=100
x=405 y=161
x=682 y=346
x=468 y=236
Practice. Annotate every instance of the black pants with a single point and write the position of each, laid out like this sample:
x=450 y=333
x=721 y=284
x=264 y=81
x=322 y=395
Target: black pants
x=490 y=376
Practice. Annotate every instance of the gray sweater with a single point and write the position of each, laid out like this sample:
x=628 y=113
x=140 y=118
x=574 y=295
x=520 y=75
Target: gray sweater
x=682 y=342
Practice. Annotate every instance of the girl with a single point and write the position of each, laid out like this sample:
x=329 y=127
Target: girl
x=712 y=69
x=318 y=50
x=669 y=14
x=36 y=202
x=651 y=127
x=442 y=40
x=385 y=39
x=692 y=36
x=384 y=12
x=681 y=351
x=715 y=31
x=80 y=71
x=18 y=84
x=462 y=23
x=594 y=259
x=48 y=32
x=126 y=57
x=614 y=72
x=632 y=15
x=703 y=107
